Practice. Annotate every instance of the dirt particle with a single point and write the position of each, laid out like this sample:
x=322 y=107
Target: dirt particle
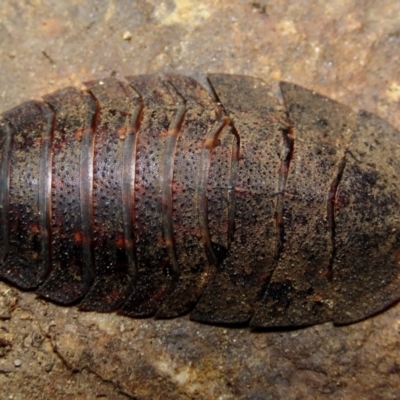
x=127 y=35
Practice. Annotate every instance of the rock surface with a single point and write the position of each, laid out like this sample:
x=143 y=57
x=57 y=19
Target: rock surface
x=346 y=49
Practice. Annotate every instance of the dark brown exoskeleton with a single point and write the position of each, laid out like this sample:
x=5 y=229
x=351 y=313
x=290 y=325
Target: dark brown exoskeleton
x=152 y=196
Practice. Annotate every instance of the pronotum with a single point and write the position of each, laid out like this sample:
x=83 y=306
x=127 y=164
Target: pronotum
x=240 y=204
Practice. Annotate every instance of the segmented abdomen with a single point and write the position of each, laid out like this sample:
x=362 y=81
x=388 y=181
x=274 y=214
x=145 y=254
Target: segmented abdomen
x=152 y=197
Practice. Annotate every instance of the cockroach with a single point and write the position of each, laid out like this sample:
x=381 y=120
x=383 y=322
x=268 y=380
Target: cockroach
x=238 y=203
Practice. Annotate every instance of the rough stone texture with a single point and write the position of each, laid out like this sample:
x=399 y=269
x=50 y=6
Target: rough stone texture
x=346 y=49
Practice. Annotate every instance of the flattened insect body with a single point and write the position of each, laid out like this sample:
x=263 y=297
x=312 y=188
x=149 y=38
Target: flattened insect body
x=154 y=198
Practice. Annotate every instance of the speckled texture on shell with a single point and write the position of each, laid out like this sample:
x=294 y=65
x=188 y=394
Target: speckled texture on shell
x=107 y=198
